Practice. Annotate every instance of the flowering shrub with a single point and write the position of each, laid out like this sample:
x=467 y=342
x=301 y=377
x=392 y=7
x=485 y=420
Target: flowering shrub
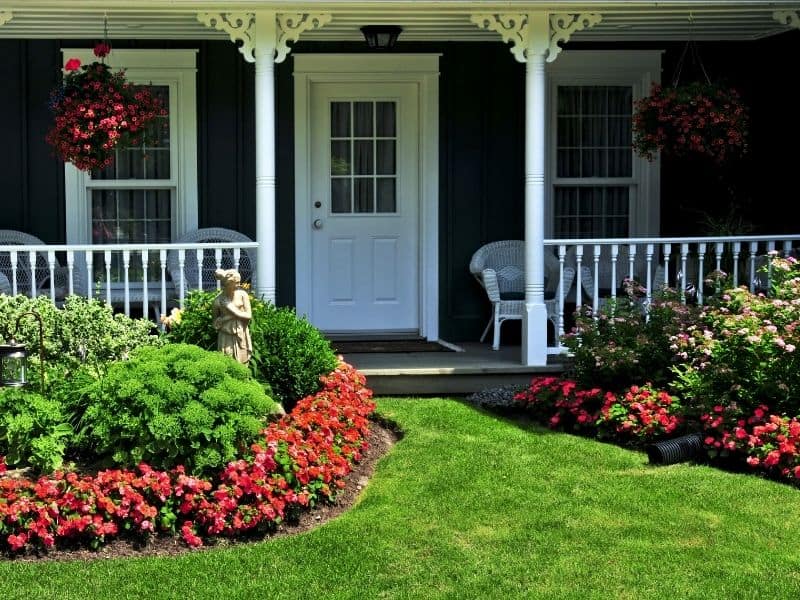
x=97 y=110
x=742 y=350
x=695 y=119
x=301 y=460
x=641 y=412
x=560 y=404
x=619 y=347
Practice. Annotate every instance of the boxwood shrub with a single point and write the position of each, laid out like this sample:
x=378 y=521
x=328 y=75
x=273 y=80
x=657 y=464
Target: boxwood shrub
x=174 y=405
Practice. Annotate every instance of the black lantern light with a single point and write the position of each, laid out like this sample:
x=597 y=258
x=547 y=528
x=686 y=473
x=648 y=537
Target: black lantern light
x=381 y=37
x=14 y=357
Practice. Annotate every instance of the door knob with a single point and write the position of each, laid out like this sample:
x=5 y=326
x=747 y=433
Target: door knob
x=317 y=204
x=317 y=223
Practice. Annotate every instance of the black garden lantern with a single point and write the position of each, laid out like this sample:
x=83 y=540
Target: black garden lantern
x=14 y=357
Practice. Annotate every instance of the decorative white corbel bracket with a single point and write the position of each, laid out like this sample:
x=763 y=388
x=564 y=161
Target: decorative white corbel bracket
x=5 y=16
x=524 y=35
x=787 y=17
x=240 y=26
x=290 y=26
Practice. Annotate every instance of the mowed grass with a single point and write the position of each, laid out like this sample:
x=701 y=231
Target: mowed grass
x=469 y=505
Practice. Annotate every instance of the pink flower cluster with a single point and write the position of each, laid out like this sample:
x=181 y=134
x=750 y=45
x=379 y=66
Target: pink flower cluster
x=97 y=110
x=768 y=442
x=559 y=403
x=302 y=460
x=641 y=412
x=694 y=119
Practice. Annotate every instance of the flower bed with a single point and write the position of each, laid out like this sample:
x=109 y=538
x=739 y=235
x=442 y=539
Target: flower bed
x=302 y=460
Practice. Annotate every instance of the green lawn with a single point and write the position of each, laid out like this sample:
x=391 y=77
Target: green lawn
x=469 y=505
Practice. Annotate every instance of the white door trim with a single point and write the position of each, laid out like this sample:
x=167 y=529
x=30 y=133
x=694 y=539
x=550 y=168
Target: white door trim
x=422 y=69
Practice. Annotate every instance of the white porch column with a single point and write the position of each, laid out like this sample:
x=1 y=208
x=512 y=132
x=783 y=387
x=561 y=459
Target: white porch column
x=264 y=37
x=534 y=39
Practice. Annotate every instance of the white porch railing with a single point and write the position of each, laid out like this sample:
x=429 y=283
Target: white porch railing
x=682 y=263
x=154 y=276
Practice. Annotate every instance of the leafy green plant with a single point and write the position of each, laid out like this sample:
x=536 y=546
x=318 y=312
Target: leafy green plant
x=174 y=405
x=289 y=353
x=33 y=430
x=83 y=332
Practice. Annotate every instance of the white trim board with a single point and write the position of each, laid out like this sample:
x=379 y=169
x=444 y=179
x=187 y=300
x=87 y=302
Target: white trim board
x=422 y=69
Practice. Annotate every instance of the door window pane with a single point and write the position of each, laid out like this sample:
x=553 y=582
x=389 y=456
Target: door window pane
x=591 y=211
x=363 y=166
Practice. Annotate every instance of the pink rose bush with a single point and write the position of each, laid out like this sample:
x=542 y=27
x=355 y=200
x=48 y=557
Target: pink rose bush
x=300 y=461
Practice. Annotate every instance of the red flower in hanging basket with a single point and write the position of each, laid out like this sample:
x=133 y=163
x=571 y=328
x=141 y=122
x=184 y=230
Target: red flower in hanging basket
x=695 y=119
x=97 y=110
x=102 y=49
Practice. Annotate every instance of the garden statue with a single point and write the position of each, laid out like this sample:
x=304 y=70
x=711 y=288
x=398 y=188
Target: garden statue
x=232 y=314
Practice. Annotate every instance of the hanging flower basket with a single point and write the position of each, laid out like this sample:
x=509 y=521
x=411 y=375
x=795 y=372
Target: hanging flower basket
x=688 y=120
x=97 y=110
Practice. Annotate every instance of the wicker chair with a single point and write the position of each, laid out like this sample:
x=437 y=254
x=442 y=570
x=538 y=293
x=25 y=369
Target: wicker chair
x=247 y=259
x=499 y=267
x=39 y=275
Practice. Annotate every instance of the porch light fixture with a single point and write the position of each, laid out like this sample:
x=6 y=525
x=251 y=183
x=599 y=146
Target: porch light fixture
x=381 y=37
x=14 y=357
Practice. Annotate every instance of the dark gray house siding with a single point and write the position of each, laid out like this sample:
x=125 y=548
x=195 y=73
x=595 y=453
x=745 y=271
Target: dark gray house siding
x=481 y=150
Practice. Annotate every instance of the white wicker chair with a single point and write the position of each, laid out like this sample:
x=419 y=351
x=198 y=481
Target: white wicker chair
x=499 y=267
x=247 y=259
x=40 y=273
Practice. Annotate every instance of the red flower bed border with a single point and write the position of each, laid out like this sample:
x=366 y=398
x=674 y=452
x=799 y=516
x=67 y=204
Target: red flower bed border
x=302 y=460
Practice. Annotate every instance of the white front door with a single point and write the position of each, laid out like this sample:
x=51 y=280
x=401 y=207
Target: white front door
x=364 y=211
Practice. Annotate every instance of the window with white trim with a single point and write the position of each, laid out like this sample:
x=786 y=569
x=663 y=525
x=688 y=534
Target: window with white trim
x=599 y=188
x=149 y=193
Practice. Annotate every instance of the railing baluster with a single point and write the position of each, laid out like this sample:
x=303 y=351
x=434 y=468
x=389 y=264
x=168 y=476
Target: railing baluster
x=631 y=258
x=562 y=253
x=181 y=264
x=218 y=262
x=237 y=254
x=701 y=257
x=145 y=287
x=770 y=254
x=787 y=247
x=199 y=254
x=71 y=271
x=89 y=274
x=596 y=286
x=753 y=252
x=718 y=250
x=14 y=262
x=32 y=264
x=737 y=249
x=684 y=257
x=162 y=258
x=107 y=261
x=667 y=249
x=649 y=251
x=578 y=265
x=614 y=256
x=126 y=265
x=51 y=265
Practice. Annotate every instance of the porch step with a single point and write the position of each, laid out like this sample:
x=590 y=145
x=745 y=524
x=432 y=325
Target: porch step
x=421 y=373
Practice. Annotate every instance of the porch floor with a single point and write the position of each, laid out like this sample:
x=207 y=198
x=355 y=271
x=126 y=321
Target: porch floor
x=475 y=369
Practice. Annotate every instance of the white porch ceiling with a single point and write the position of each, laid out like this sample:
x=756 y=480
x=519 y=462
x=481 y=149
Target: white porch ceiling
x=421 y=20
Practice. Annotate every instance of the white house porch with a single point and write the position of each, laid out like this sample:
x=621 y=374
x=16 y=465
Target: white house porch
x=264 y=30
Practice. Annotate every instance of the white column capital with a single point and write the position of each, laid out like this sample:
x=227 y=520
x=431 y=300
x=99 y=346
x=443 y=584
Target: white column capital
x=240 y=26
x=536 y=32
x=787 y=17
x=5 y=16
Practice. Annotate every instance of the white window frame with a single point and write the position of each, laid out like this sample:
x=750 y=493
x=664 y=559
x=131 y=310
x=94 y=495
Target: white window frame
x=637 y=69
x=177 y=70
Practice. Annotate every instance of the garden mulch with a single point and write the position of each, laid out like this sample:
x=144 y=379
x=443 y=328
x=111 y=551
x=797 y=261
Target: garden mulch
x=382 y=437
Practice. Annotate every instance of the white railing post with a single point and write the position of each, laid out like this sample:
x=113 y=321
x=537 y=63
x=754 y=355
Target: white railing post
x=71 y=271
x=579 y=267
x=14 y=262
x=107 y=261
x=32 y=264
x=90 y=274
x=126 y=264
x=51 y=266
x=562 y=253
x=596 y=286
x=737 y=250
x=649 y=251
x=614 y=257
x=753 y=252
x=701 y=256
x=182 y=283
x=667 y=250
x=684 y=274
x=162 y=259
x=145 y=287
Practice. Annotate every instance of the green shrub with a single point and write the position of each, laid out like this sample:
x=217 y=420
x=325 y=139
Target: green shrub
x=83 y=332
x=619 y=346
x=178 y=404
x=289 y=353
x=33 y=430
